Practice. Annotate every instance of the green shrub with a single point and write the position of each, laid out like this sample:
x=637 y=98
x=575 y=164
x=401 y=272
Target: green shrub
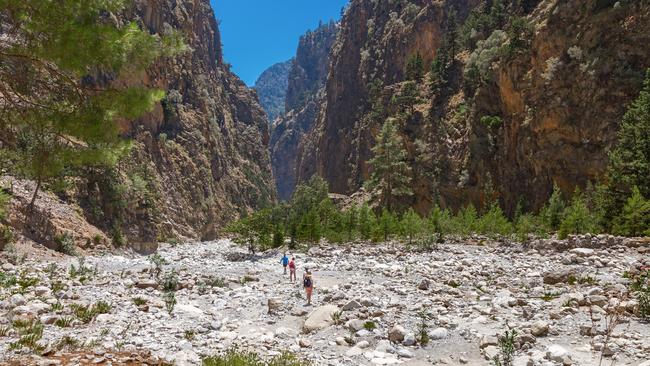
x=170 y=281
x=86 y=313
x=170 y=301
x=506 y=349
x=236 y=357
x=479 y=65
x=30 y=333
x=411 y=225
x=423 y=329
x=158 y=261
x=492 y=122
x=529 y=224
x=370 y=325
x=66 y=244
x=494 y=222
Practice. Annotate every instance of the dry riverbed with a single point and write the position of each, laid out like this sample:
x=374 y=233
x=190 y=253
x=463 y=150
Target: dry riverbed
x=371 y=301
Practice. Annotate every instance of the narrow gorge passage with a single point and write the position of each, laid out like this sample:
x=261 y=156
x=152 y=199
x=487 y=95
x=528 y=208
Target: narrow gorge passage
x=464 y=182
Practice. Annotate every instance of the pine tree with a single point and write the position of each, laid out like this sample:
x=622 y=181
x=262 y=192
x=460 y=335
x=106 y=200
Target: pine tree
x=634 y=220
x=386 y=224
x=60 y=116
x=408 y=97
x=436 y=222
x=366 y=222
x=411 y=225
x=391 y=175
x=554 y=211
x=630 y=159
x=452 y=32
x=415 y=67
x=577 y=218
x=351 y=220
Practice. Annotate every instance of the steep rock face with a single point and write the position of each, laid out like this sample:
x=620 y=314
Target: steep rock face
x=304 y=99
x=563 y=101
x=200 y=158
x=310 y=67
x=560 y=100
x=271 y=88
x=375 y=40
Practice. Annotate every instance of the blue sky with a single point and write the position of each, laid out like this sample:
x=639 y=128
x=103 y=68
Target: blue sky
x=259 y=33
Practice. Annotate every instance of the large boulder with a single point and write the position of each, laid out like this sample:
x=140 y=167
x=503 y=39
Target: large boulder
x=320 y=318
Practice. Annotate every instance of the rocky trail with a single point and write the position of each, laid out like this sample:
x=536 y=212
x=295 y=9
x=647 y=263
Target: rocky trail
x=370 y=302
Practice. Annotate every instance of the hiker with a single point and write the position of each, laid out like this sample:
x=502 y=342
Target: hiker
x=292 y=269
x=285 y=262
x=308 y=284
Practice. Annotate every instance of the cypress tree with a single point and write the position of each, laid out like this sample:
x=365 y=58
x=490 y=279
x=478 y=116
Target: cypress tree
x=391 y=175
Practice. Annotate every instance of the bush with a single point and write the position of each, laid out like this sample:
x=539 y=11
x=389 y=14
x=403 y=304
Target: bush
x=66 y=244
x=506 y=349
x=528 y=224
x=170 y=301
x=479 y=65
x=494 y=222
x=236 y=357
x=492 y=122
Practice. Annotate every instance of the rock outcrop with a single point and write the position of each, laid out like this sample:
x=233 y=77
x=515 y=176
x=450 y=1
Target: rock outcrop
x=200 y=158
x=271 y=87
x=558 y=100
x=303 y=103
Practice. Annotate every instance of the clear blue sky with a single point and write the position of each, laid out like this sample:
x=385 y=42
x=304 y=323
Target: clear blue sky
x=259 y=33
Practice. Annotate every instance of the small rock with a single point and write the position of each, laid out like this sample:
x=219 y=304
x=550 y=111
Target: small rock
x=409 y=340
x=397 y=334
x=352 y=305
x=540 y=328
x=146 y=283
x=424 y=285
x=439 y=333
x=556 y=353
x=304 y=343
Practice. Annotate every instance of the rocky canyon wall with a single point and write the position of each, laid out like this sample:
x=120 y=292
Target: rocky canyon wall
x=559 y=99
x=200 y=159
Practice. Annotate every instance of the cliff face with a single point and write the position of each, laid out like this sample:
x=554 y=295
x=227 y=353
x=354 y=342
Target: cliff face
x=200 y=158
x=303 y=104
x=558 y=101
x=271 y=88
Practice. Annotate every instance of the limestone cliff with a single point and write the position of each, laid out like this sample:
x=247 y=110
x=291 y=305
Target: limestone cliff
x=303 y=104
x=558 y=98
x=200 y=159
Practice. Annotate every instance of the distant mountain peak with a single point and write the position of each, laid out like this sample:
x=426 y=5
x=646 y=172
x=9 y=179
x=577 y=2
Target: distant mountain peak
x=271 y=88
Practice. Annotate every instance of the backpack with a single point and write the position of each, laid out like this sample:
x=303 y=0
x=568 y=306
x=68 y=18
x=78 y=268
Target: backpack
x=307 y=281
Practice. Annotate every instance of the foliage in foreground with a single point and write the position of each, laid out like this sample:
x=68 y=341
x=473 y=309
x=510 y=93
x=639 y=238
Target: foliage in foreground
x=59 y=116
x=236 y=357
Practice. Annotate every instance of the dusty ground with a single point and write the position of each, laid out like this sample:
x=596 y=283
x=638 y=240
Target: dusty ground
x=469 y=294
